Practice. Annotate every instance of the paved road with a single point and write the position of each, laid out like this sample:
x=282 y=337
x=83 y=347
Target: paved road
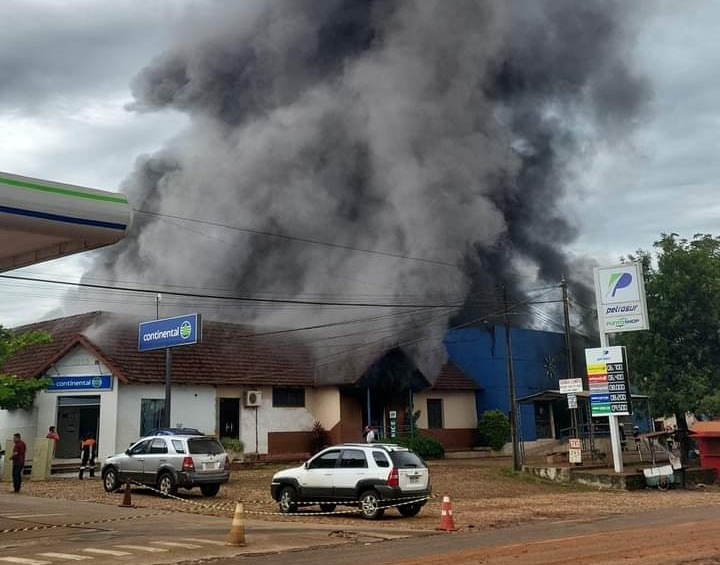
x=631 y=539
x=37 y=531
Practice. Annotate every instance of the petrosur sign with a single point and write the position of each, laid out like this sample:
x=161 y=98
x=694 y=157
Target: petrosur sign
x=170 y=332
x=620 y=298
x=80 y=382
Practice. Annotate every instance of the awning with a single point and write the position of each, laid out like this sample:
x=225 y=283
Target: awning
x=42 y=220
x=552 y=395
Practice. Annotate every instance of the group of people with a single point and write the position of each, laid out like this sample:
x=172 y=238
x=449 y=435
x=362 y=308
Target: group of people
x=88 y=453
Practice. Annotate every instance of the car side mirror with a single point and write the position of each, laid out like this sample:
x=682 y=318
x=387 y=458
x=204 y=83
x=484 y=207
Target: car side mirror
x=306 y=465
x=127 y=451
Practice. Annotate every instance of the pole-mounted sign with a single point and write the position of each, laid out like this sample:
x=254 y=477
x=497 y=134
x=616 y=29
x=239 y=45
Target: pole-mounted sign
x=608 y=381
x=620 y=298
x=165 y=334
x=170 y=332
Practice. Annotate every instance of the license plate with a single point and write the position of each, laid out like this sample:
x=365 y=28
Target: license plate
x=414 y=479
x=209 y=466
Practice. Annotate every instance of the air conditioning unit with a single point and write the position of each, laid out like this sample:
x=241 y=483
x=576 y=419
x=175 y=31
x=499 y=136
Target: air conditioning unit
x=253 y=398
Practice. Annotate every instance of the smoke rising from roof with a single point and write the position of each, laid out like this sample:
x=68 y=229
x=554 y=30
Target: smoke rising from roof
x=444 y=130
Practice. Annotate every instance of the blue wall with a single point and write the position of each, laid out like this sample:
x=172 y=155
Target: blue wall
x=480 y=353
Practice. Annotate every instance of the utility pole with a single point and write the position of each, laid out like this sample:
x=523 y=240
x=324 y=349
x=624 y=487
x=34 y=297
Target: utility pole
x=511 y=385
x=568 y=348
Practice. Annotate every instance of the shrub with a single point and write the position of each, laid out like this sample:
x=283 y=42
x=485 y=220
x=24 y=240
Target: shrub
x=232 y=444
x=425 y=447
x=321 y=437
x=493 y=429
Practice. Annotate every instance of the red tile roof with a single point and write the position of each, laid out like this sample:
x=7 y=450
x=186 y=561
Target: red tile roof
x=452 y=378
x=229 y=354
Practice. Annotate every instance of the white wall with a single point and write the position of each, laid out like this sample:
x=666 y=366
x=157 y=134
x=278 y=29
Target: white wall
x=324 y=405
x=271 y=419
x=34 y=423
x=458 y=408
x=191 y=406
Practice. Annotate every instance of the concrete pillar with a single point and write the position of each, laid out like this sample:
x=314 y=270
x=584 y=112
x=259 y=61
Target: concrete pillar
x=42 y=459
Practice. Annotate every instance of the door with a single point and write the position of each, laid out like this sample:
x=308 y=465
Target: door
x=156 y=456
x=317 y=480
x=132 y=465
x=229 y=418
x=76 y=417
x=352 y=469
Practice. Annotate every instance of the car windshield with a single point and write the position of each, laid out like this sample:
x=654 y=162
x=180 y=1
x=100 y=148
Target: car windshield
x=406 y=459
x=205 y=445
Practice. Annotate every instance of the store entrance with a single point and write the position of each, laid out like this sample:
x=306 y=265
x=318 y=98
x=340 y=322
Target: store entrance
x=230 y=417
x=76 y=416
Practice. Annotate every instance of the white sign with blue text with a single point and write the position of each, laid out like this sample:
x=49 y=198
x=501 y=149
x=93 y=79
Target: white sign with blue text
x=170 y=332
x=620 y=298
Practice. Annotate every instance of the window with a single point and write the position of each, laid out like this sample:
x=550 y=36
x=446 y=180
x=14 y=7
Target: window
x=178 y=446
x=205 y=446
x=152 y=414
x=158 y=446
x=353 y=459
x=325 y=461
x=380 y=459
x=435 y=413
x=288 y=397
x=140 y=447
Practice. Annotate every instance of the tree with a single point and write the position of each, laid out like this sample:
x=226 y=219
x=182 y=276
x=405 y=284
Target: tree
x=16 y=393
x=677 y=362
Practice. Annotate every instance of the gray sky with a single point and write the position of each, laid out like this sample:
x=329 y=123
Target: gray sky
x=66 y=65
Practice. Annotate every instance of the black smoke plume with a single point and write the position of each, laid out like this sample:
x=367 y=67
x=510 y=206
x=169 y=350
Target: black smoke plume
x=444 y=130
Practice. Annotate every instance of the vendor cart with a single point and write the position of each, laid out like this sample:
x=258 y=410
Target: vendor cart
x=661 y=476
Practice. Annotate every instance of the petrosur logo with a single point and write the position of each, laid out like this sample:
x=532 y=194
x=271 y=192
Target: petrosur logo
x=185 y=329
x=618 y=281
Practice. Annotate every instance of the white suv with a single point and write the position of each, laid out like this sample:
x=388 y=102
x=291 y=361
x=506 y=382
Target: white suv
x=371 y=476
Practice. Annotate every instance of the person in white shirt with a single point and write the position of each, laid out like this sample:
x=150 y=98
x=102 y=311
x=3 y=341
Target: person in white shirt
x=369 y=434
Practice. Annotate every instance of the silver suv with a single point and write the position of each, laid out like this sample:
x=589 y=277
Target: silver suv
x=168 y=462
x=370 y=476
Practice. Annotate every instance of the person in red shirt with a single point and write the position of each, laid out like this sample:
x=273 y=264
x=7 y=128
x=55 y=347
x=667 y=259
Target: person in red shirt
x=52 y=434
x=18 y=461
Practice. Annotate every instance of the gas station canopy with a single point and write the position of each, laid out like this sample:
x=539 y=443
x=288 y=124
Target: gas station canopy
x=42 y=220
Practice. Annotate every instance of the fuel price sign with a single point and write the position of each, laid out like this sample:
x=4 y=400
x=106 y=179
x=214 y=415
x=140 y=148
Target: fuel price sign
x=608 y=381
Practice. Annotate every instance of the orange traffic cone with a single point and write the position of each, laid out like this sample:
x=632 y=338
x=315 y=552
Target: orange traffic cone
x=236 y=536
x=447 y=522
x=127 y=503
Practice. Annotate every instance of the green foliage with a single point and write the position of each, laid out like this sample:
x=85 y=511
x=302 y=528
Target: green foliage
x=425 y=447
x=493 y=429
x=677 y=362
x=232 y=444
x=321 y=437
x=18 y=393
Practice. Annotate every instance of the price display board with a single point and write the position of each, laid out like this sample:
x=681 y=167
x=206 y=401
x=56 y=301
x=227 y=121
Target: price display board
x=607 y=372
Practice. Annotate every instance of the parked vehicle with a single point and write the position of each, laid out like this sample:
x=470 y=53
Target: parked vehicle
x=174 y=432
x=170 y=462
x=370 y=476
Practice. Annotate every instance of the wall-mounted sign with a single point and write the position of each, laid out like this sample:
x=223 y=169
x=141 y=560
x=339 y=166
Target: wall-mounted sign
x=570 y=385
x=575 y=451
x=170 y=332
x=572 y=400
x=608 y=381
x=393 y=423
x=620 y=298
x=80 y=382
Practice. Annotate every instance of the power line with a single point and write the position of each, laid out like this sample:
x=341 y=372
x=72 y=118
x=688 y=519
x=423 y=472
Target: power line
x=300 y=239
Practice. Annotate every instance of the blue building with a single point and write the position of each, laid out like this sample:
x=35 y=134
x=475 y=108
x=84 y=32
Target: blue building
x=539 y=360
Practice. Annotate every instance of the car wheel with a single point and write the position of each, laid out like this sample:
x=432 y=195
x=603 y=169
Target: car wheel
x=370 y=505
x=209 y=490
x=327 y=507
x=111 y=482
x=410 y=510
x=288 y=500
x=166 y=484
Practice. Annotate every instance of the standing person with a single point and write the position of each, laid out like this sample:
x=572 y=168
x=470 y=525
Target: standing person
x=88 y=453
x=369 y=434
x=18 y=461
x=52 y=434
